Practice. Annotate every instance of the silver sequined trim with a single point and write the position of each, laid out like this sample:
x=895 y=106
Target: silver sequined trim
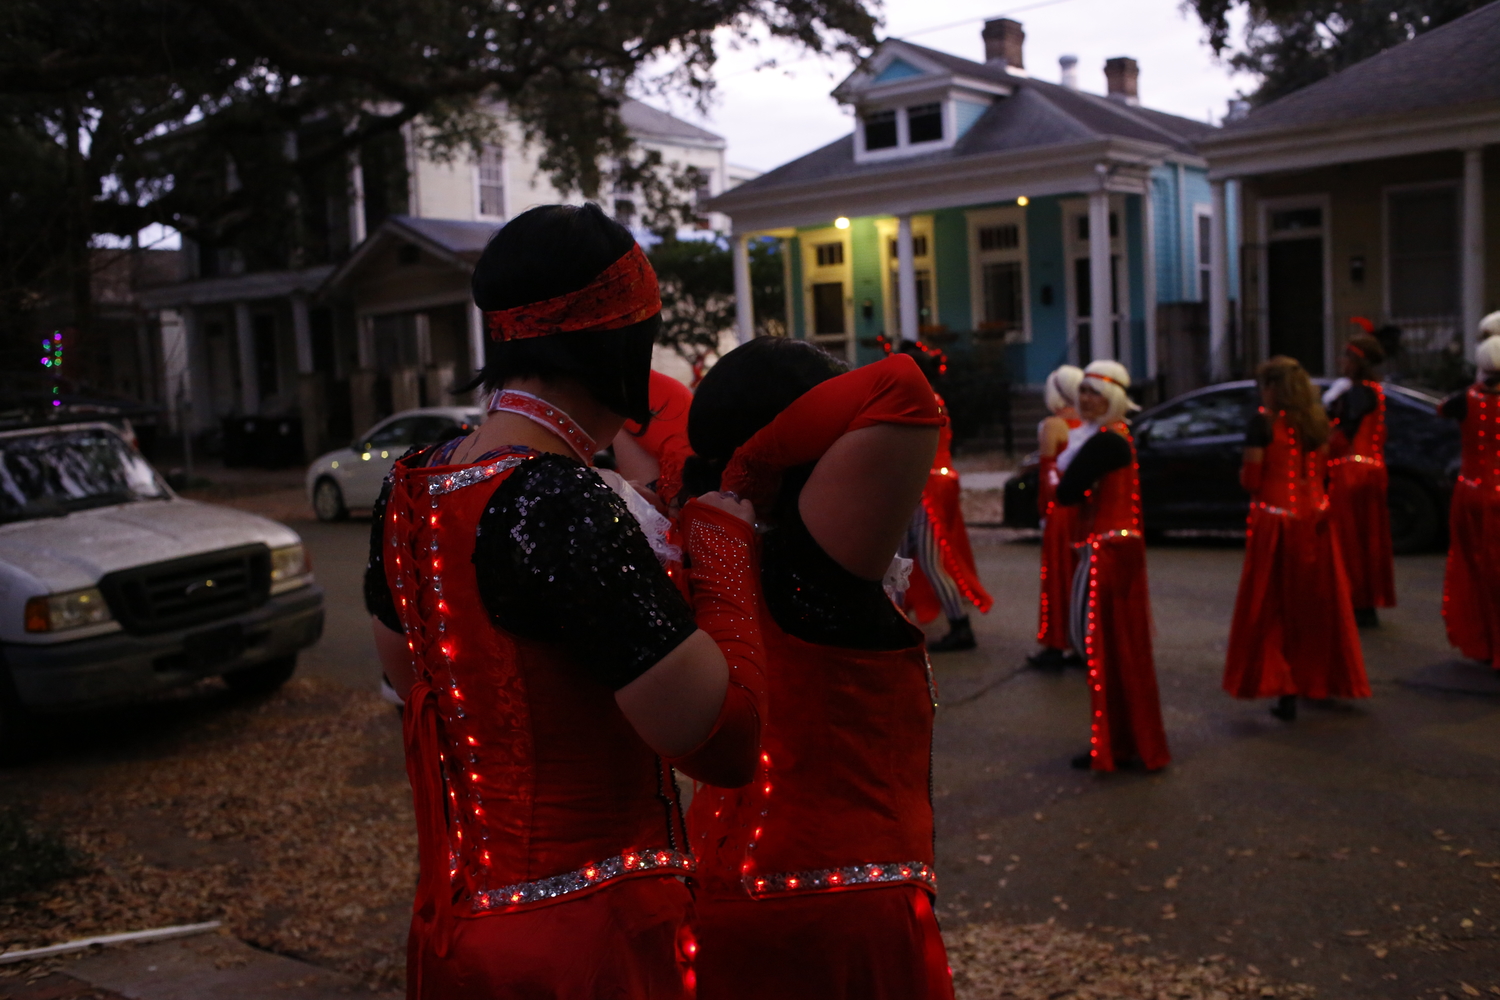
x=449 y=481
x=838 y=878
x=584 y=878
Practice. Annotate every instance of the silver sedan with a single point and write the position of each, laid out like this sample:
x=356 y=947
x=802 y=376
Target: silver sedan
x=350 y=477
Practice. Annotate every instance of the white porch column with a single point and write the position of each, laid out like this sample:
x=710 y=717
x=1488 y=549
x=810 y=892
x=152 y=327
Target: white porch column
x=1148 y=226
x=906 y=279
x=244 y=334
x=356 y=201
x=1101 y=311
x=1218 y=286
x=302 y=332
x=1473 y=248
x=476 y=338
x=744 y=304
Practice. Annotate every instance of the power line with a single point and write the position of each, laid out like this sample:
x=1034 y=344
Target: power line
x=971 y=20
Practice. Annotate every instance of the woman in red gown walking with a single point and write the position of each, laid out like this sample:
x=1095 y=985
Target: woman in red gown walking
x=816 y=879
x=1471 y=588
x=1059 y=523
x=552 y=674
x=1357 y=480
x=1293 y=631
x=1110 y=604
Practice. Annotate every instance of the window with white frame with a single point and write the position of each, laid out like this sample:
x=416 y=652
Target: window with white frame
x=492 y=182
x=880 y=130
x=997 y=248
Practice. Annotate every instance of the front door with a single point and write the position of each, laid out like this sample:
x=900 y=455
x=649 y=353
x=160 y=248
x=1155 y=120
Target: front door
x=1294 y=300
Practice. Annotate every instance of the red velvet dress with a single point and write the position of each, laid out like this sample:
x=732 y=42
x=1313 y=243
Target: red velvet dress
x=1359 y=511
x=815 y=879
x=1060 y=538
x=549 y=845
x=1124 y=703
x=1471 y=589
x=942 y=500
x=1293 y=631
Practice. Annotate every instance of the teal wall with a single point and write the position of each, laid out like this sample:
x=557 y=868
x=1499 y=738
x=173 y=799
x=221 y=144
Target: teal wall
x=950 y=239
x=864 y=272
x=1048 y=276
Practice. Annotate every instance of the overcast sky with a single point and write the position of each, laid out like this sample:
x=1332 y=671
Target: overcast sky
x=771 y=116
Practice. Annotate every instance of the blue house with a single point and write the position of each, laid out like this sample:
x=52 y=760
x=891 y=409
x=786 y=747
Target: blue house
x=978 y=208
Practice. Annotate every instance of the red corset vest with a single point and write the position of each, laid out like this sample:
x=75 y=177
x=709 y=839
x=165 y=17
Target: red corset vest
x=842 y=799
x=1369 y=441
x=1291 y=476
x=529 y=784
x=1114 y=504
x=1481 y=434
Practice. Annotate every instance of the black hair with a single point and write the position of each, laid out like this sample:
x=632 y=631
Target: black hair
x=545 y=252
x=744 y=392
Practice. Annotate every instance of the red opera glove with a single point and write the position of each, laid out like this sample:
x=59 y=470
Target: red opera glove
x=1250 y=476
x=1046 y=485
x=725 y=581
x=891 y=391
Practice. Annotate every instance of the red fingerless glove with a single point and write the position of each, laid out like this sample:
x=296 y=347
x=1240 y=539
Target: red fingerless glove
x=891 y=391
x=725 y=581
x=1250 y=476
x=1046 y=484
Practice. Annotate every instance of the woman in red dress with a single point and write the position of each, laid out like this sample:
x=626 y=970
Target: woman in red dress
x=1293 y=631
x=1059 y=523
x=1357 y=481
x=1471 y=588
x=1110 y=604
x=816 y=879
x=552 y=674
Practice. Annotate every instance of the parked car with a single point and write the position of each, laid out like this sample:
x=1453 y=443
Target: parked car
x=1190 y=449
x=351 y=477
x=113 y=587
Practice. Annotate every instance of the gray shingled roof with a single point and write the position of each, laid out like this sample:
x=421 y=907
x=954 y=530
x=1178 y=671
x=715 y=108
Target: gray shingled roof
x=644 y=120
x=1036 y=114
x=1453 y=65
x=458 y=237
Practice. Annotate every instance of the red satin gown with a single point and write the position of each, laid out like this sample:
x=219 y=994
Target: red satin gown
x=1471 y=588
x=1359 y=511
x=1124 y=702
x=1059 y=556
x=549 y=845
x=941 y=499
x=1293 y=631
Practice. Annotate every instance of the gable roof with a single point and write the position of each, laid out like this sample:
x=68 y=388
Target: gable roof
x=1443 y=68
x=644 y=121
x=1036 y=114
x=454 y=242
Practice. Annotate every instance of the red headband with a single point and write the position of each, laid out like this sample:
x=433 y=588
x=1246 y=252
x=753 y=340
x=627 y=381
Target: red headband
x=624 y=293
x=1105 y=378
x=1354 y=349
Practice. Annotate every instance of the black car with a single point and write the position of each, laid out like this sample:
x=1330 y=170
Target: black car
x=1190 y=449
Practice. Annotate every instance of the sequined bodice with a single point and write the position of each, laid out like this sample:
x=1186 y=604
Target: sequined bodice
x=540 y=785
x=1292 y=477
x=1114 y=505
x=1481 y=436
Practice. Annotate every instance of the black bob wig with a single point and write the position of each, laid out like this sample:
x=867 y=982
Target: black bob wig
x=545 y=252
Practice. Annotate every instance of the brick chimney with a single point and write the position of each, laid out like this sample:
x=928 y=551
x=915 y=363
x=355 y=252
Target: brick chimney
x=1003 y=39
x=1123 y=76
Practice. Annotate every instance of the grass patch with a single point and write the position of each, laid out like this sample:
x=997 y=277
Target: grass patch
x=31 y=858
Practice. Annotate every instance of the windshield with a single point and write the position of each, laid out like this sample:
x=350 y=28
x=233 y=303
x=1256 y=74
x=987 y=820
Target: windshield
x=53 y=473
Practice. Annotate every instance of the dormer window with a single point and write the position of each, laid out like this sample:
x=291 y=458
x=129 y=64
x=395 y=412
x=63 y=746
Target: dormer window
x=924 y=122
x=880 y=130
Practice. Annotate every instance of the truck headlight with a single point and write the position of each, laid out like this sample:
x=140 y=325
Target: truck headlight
x=289 y=568
x=56 y=612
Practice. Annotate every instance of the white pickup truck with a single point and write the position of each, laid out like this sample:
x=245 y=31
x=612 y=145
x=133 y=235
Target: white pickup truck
x=113 y=587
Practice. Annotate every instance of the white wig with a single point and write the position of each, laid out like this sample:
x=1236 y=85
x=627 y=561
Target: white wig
x=1061 y=388
x=1487 y=356
x=1110 y=380
x=1489 y=326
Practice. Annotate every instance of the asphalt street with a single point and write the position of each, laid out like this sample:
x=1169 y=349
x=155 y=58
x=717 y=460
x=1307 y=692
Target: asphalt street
x=1354 y=850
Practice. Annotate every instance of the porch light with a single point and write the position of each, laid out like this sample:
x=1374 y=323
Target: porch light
x=1023 y=201
x=842 y=222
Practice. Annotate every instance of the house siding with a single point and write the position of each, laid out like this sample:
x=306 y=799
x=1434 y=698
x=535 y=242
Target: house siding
x=864 y=274
x=950 y=237
x=1032 y=363
x=1135 y=275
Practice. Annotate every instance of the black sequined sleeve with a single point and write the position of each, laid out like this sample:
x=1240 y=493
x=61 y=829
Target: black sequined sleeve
x=378 y=599
x=560 y=558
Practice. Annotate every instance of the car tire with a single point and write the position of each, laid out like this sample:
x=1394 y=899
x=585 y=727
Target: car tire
x=1416 y=522
x=263 y=678
x=328 y=501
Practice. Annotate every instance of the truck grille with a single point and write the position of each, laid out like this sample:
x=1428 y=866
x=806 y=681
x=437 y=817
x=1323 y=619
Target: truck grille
x=189 y=591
